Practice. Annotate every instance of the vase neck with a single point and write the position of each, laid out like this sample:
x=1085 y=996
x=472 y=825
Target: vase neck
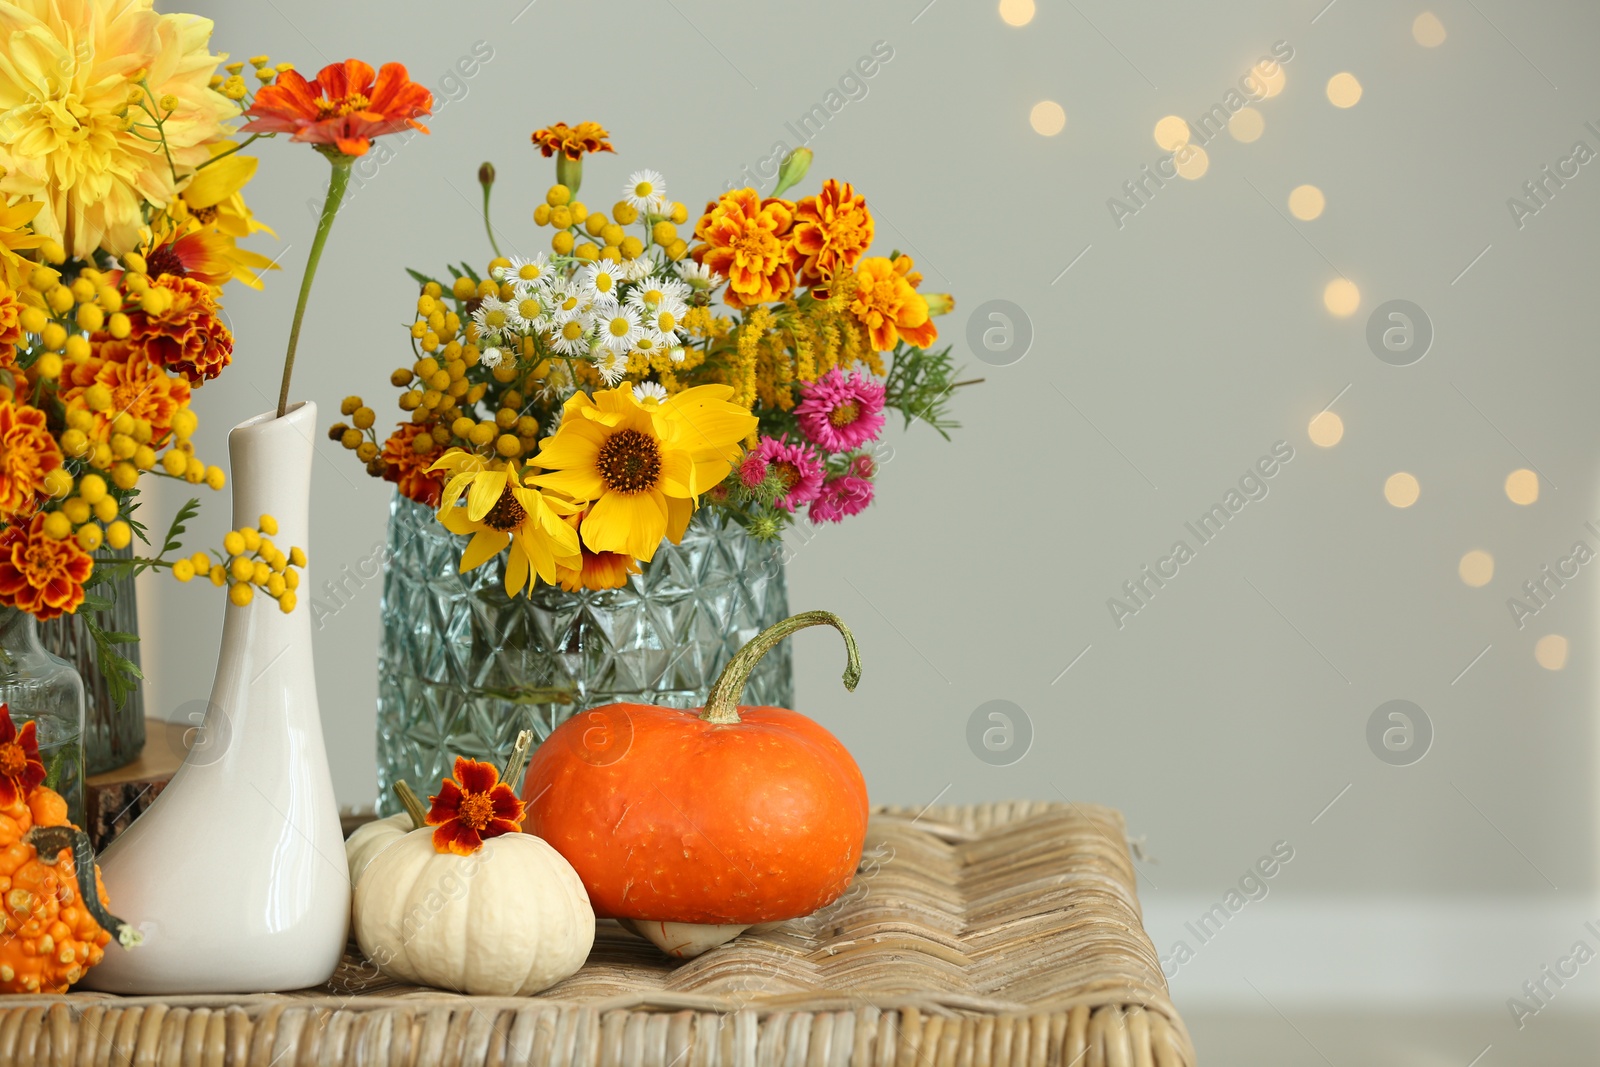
x=18 y=630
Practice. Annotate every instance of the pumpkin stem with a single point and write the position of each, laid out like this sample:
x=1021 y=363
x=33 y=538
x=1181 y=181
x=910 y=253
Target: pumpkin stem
x=518 y=762
x=48 y=843
x=722 y=703
x=412 y=803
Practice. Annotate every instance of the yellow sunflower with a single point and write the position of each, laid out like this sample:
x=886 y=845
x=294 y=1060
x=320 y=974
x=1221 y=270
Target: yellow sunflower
x=641 y=467
x=527 y=521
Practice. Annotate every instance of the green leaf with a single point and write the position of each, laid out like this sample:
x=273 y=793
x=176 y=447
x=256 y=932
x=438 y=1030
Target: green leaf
x=121 y=675
x=466 y=268
x=184 y=515
x=421 y=278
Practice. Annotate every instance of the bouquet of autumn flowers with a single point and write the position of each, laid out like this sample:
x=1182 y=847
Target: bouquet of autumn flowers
x=119 y=227
x=575 y=407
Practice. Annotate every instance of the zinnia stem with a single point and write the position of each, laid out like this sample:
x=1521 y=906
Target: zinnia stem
x=337 y=181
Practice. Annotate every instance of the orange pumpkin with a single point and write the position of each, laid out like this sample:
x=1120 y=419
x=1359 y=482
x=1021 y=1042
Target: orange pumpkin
x=726 y=815
x=56 y=925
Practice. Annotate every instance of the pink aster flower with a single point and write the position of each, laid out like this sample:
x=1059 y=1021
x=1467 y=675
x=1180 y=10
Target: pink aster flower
x=840 y=497
x=753 y=470
x=838 y=413
x=799 y=466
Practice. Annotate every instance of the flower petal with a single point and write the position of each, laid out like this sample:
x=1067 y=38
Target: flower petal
x=476 y=776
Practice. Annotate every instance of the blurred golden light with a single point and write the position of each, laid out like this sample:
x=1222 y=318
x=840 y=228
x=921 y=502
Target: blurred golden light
x=1191 y=161
x=1326 y=430
x=1047 y=118
x=1522 y=486
x=1344 y=90
x=1428 y=30
x=1476 y=568
x=1401 y=489
x=1246 y=124
x=1271 y=81
x=1306 y=202
x=1172 y=133
x=1551 y=652
x=1341 y=297
x=1016 y=12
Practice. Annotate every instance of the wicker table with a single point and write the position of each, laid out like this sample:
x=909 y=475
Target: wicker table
x=999 y=934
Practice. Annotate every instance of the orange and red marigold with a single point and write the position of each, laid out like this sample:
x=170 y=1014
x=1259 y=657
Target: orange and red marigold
x=746 y=240
x=39 y=574
x=889 y=306
x=343 y=108
x=188 y=337
x=832 y=230
x=21 y=769
x=28 y=452
x=471 y=807
x=573 y=142
x=138 y=387
x=408 y=468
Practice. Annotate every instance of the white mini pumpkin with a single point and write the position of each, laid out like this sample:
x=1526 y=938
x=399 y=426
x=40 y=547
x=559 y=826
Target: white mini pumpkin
x=509 y=920
x=372 y=838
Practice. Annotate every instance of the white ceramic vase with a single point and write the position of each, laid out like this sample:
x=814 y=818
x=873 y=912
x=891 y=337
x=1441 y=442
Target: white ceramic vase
x=236 y=874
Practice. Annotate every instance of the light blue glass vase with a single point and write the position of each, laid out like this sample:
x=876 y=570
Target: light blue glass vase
x=462 y=668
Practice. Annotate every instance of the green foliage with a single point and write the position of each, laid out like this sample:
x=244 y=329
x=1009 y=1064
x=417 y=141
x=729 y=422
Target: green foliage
x=919 y=386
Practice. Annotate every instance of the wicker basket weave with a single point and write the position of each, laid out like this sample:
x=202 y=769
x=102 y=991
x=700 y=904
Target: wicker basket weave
x=998 y=934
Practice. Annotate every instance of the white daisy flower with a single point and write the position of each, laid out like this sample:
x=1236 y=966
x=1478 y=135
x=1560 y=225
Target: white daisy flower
x=490 y=357
x=571 y=338
x=646 y=191
x=553 y=389
x=613 y=366
x=531 y=311
x=658 y=291
x=637 y=270
x=667 y=318
x=698 y=275
x=618 y=326
x=650 y=340
x=650 y=392
x=566 y=302
x=494 y=316
x=600 y=280
x=525 y=271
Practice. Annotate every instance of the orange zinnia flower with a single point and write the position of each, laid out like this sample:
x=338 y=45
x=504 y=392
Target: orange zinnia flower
x=187 y=337
x=344 y=107
x=831 y=231
x=889 y=307
x=21 y=769
x=39 y=574
x=746 y=239
x=138 y=387
x=572 y=141
x=408 y=468
x=27 y=453
x=472 y=806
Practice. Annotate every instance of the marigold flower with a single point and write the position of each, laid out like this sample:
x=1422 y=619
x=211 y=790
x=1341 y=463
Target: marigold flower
x=66 y=142
x=841 y=414
x=573 y=142
x=471 y=807
x=28 y=452
x=595 y=570
x=188 y=337
x=40 y=574
x=408 y=468
x=138 y=387
x=21 y=768
x=343 y=108
x=888 y=305
x=832 y=230
x=747 y=240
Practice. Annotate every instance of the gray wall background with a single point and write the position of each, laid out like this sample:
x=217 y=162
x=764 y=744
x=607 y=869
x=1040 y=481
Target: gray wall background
x=1175 y=351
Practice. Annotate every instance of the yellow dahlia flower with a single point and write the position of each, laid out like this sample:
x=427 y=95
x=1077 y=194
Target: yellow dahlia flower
x=641 y=466
x=65 y=111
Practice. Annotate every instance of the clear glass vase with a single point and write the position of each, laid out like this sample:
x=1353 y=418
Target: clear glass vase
x=462 y=667
x=36 y=684
x=113 y=734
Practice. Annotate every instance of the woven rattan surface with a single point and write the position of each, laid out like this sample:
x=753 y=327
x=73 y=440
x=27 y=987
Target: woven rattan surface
x=996 y=934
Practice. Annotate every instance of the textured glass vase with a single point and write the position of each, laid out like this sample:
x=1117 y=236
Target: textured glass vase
x=39 y=685
x=462 y=667
x=113 y=736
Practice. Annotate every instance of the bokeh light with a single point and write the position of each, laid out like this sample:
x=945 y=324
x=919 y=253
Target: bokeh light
x=1326 y=430
x=1246 y=124
x=1522 y=486
x=1047 y=118
x=1344 y=90
x=1269 y=77
x=1551 y=652
x=1427 y=30
x=1341 y=297
x=1172 y=133
x=1306 y=202
x=1192 y=162
x=1016 y=12
x=1476 y=568
x=1401 y=489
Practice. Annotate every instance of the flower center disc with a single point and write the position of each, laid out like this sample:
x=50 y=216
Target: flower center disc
x=507 y=513
x=165 y=260
x=13 y=761
x=345 y=105
x=476 y=810
x=845 y=413
x=629 y=462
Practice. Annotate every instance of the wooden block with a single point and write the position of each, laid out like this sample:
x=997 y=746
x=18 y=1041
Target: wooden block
x=116 y=798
